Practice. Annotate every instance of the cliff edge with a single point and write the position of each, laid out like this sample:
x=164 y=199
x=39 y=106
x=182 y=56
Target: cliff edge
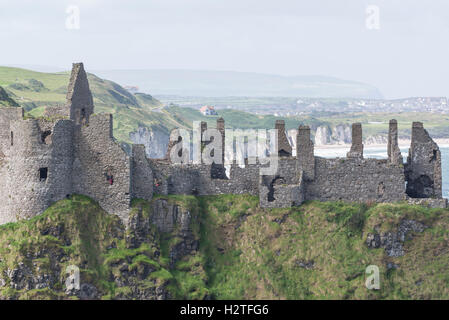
x=226 y=247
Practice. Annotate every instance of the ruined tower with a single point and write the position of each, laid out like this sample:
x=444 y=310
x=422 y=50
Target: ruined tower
x=79 y=97
x=305 y=153
x=173 y=140
x=221 y=128
x=393 y=151
x=283 y=146
x=40 y=165
x=423 y=167
x=43 y=161
x=218 y=170
x=357 y=145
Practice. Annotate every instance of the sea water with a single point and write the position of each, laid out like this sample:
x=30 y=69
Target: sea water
x=381 y=153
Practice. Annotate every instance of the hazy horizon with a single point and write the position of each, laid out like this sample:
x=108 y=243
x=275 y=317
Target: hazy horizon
x=403 y=53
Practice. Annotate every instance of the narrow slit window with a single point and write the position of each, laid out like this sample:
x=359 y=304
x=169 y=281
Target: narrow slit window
x=43 y=174
x=12 y=138
x=83 y=116
x=109 y=178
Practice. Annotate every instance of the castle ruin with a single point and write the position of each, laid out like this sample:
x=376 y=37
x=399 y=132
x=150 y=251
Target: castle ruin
x=74 y=152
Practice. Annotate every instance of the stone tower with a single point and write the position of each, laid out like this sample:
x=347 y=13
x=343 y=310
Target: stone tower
x=357 y=145
x=305 y=153
x=394 y=153
x=79 y=97
x=221 y=128
x=423 y=168
x=39 y=165
x=284 y=147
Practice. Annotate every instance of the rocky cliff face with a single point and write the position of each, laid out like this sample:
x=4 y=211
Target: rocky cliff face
x=154 y=139
x=393 y=241
x=172 y=219
x=115 y=261
x=341 y=135
x=376 y=139
x=226 y=247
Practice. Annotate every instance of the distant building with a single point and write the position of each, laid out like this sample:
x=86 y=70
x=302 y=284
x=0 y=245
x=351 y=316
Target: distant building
x=208 y=111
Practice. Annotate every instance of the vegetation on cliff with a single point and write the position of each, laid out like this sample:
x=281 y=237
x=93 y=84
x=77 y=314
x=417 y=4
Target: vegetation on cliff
x=315 y=251
x=5 y=99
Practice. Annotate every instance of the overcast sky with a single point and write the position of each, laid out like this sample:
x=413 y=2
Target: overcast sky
x=406 y=56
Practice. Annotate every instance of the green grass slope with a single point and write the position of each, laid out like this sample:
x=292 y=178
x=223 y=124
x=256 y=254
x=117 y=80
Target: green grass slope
x=5 y=99
x=34 y=90
x=315 y=251
x=78 y=232
x=318 y=251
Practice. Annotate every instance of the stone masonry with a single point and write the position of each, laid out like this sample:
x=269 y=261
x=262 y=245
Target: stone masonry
x=357 y=145
x=423 y=168
x=394 y=154
x=284 y=148
x=43 y=161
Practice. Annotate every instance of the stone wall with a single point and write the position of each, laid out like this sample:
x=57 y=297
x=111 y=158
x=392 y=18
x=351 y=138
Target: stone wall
x=393 y=151
x=283 y=146
x=359 y=180
x=7 y=114
x=356 y=150
x=142 y=175
x=79 y=98
x=38 y=169
x=275 y=193
x=305 y=153
x=56 y=111
x=97 y=158
x=423 y=168
x=197 y=179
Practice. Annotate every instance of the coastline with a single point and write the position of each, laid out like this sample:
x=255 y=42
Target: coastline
x=403 y=143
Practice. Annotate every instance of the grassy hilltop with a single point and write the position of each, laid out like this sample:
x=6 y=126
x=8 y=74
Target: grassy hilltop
x=5 y=99
x=34 y=90
x=315 y=251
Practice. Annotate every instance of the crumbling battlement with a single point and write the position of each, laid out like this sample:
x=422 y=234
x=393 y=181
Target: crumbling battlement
x=43 y=161
x=307 y=177
x=423 y=168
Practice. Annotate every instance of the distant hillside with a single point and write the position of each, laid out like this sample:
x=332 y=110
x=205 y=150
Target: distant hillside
x=5 y=100
x=228 y=83
x=138 y=118
x=33 y=90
